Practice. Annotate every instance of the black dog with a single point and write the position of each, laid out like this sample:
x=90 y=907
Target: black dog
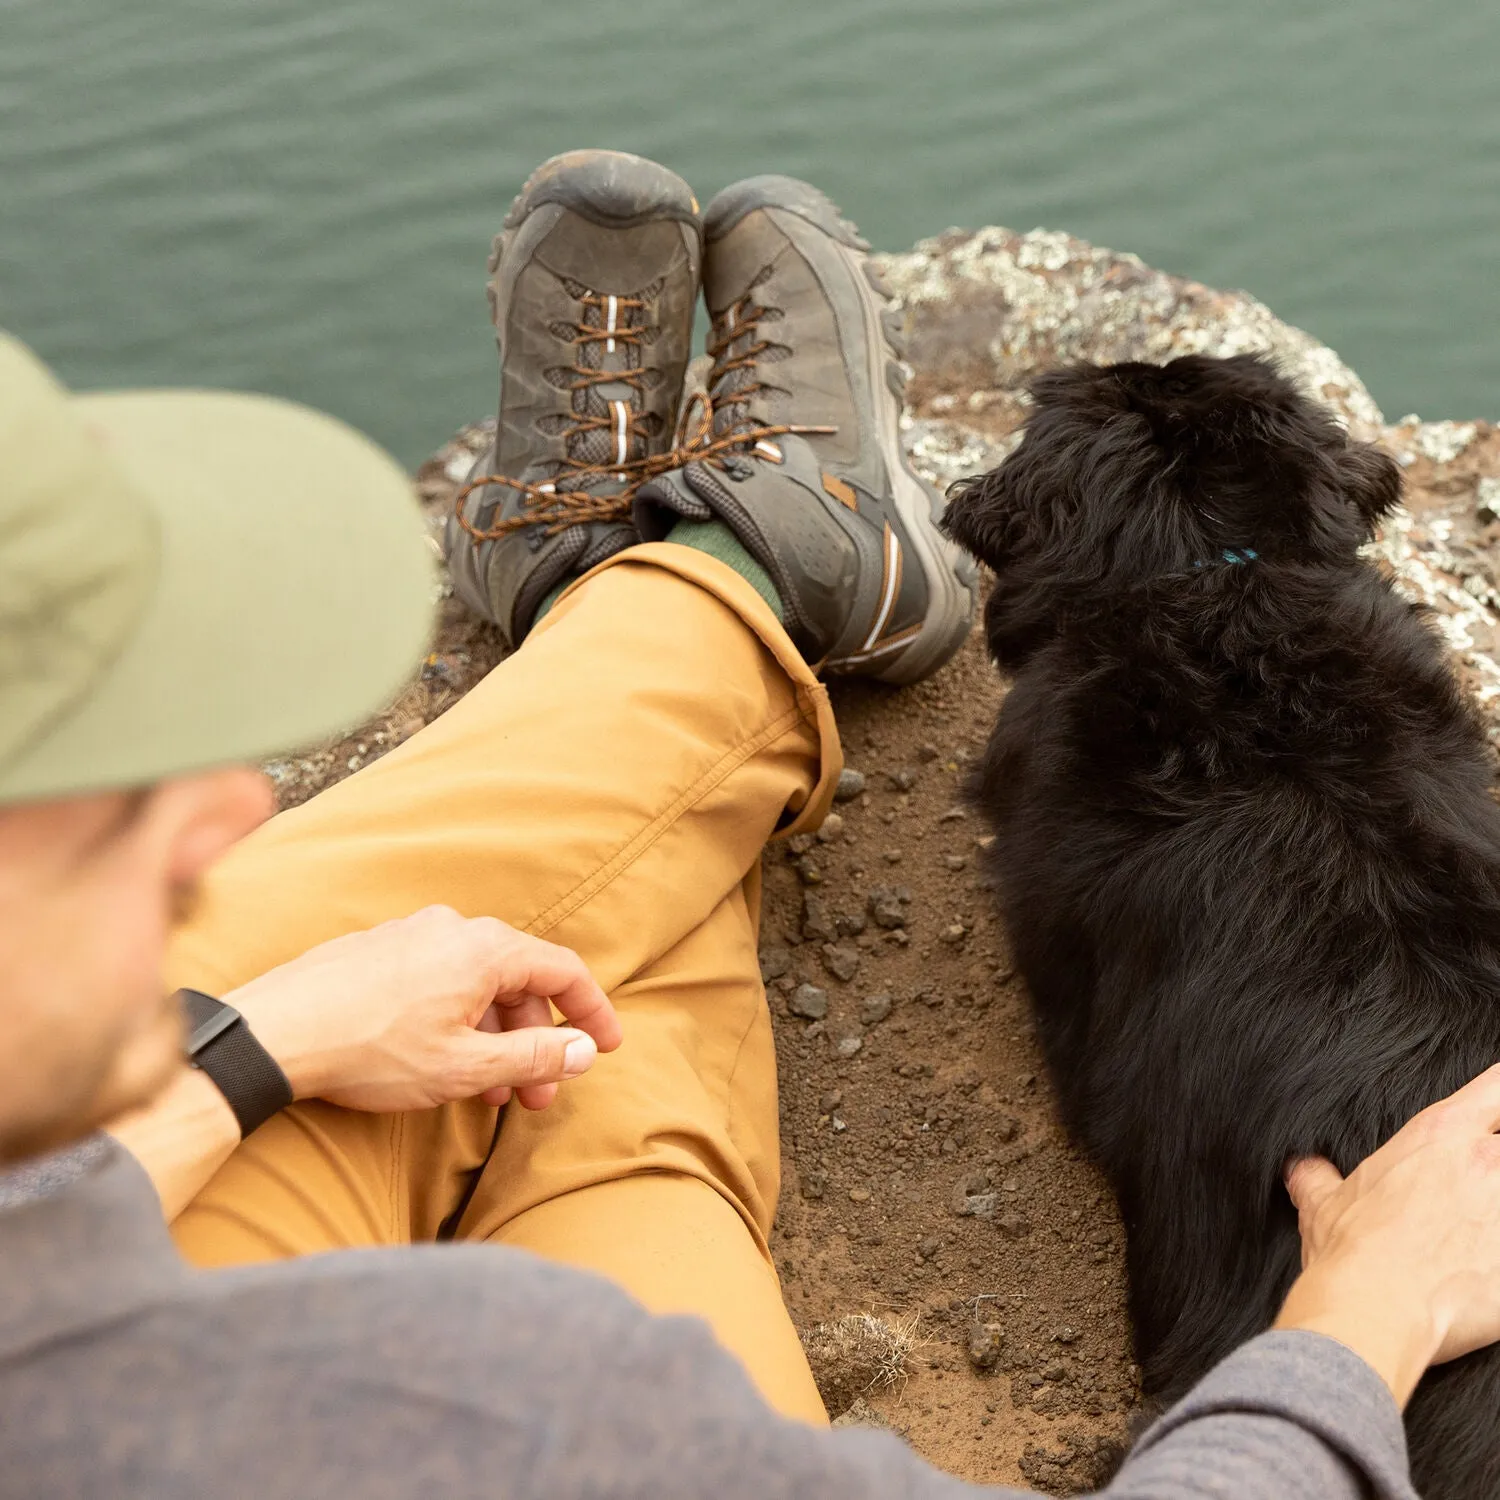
x=1245 y=844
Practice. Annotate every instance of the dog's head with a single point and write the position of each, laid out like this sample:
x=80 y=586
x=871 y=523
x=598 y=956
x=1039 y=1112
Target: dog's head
x=1130 y=471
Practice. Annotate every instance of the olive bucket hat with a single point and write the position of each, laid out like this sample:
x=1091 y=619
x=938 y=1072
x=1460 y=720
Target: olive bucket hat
x=189 y=579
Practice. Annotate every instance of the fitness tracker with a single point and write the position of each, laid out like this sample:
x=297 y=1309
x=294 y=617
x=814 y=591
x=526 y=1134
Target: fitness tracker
x=221 y=1044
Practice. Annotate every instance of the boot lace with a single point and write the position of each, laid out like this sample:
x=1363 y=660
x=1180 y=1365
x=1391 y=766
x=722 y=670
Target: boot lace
x=715 y=425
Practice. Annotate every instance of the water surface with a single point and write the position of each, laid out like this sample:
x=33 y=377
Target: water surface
x=299 y=198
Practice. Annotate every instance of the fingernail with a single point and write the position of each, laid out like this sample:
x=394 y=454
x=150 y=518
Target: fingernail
x=579 y=1055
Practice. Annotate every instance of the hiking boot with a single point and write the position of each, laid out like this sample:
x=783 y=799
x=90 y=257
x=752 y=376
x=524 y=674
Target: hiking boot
x=799 y=452
x=595 y=277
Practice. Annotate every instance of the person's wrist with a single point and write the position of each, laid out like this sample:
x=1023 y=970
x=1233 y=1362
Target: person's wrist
x=1383 y=1319
x=290 y=1035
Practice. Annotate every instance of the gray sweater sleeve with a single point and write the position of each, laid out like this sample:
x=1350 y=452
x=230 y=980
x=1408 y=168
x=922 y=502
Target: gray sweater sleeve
x=1290 y=1416
x=482 y=1374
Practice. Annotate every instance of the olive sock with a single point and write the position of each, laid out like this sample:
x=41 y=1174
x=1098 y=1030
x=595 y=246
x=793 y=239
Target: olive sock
x=716 y=539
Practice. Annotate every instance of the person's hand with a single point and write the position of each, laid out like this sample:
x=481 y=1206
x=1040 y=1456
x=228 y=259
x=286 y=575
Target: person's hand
x=427 y=1010
x=1401 y=1260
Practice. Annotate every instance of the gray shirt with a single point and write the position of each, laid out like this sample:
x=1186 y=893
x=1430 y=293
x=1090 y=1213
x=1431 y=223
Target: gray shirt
x=458 y=1371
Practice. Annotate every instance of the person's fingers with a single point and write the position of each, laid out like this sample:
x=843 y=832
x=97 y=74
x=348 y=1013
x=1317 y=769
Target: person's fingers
x=535 y=966
x=518 y=1059
x=517 y=1012
x=497 y=1098
x=536 y=1095
x=1310 y=1180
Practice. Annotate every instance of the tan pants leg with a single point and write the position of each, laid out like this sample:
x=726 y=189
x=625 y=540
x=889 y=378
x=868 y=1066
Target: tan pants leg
x=609 y=787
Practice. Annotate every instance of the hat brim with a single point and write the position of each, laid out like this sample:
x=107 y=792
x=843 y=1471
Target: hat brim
x=296 y=592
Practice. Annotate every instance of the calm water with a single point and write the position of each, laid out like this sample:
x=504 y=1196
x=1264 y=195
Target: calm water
x=299 y=196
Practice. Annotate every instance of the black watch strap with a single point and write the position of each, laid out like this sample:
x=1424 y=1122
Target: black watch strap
x=223 y=1046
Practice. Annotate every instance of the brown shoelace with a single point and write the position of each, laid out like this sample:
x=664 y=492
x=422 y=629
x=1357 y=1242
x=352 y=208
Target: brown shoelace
x=547 y=504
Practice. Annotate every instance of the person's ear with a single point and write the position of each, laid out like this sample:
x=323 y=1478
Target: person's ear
x=198 y=817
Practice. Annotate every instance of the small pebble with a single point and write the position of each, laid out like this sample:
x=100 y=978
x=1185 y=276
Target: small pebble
x=851 y=784
x=774 y=962
x=849 y=924
x=887 y=908
x=891 y=856
x=984 y=1344
x=809 y=1002
x=832 y=829
x=874 y=1009
x=927 y=753
x=955 y=862
x=808 y=872
x=817 y=923
x=953 y=815
x=859 y=1195
x=841 y=961
x=901 y=781
x=849 y=1046
x=954 y=932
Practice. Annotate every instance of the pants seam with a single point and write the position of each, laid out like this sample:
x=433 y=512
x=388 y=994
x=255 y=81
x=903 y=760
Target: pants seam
x=639 y=843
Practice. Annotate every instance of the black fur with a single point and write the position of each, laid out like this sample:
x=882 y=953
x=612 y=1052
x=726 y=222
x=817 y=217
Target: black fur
x=1245 y=843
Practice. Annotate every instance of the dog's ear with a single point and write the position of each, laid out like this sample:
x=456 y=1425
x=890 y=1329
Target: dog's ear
x=985 y=518
x=1374 y=482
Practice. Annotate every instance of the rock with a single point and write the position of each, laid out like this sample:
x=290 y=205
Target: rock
x=842 y=962
x=849 y=1046
x=817 y=921
x=814 y=1184
x=830 y=1101
x=954 y=932
x=901 y=781
x=859 y=1195
x=955 y=862
x=860 y=1414
x=1012 y=1226
x=892 y=856
x=849 y=924
x=953 y=815
x=874 y=1009
x=1065 y=1335
x=929 y=1247
x=927 y=753
x=887 y=907
x=799 y=844
x=832 y=829
x=851 y=783
x=984 y=1345
x=774 y=962
x=808 y=871
x=809 y=1002
x=1006 y=1128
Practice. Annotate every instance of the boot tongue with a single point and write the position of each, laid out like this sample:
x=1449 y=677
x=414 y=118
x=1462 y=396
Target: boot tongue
x=613 y=403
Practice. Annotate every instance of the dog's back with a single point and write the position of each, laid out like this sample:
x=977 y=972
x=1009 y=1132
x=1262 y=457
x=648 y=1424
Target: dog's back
x=1245 y=844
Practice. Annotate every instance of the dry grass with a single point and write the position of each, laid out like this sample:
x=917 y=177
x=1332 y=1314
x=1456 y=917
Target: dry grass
x=858 y=1353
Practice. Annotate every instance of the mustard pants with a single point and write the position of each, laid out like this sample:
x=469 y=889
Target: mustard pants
x=609 y=787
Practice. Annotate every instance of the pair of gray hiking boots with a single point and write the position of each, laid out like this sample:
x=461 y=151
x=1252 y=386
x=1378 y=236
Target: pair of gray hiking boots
x=792 y=442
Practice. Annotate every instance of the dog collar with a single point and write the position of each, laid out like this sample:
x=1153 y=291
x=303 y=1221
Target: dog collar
x=1231 y=555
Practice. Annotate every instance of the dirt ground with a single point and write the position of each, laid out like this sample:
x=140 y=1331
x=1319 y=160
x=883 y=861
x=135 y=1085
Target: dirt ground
x=925 y=1177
